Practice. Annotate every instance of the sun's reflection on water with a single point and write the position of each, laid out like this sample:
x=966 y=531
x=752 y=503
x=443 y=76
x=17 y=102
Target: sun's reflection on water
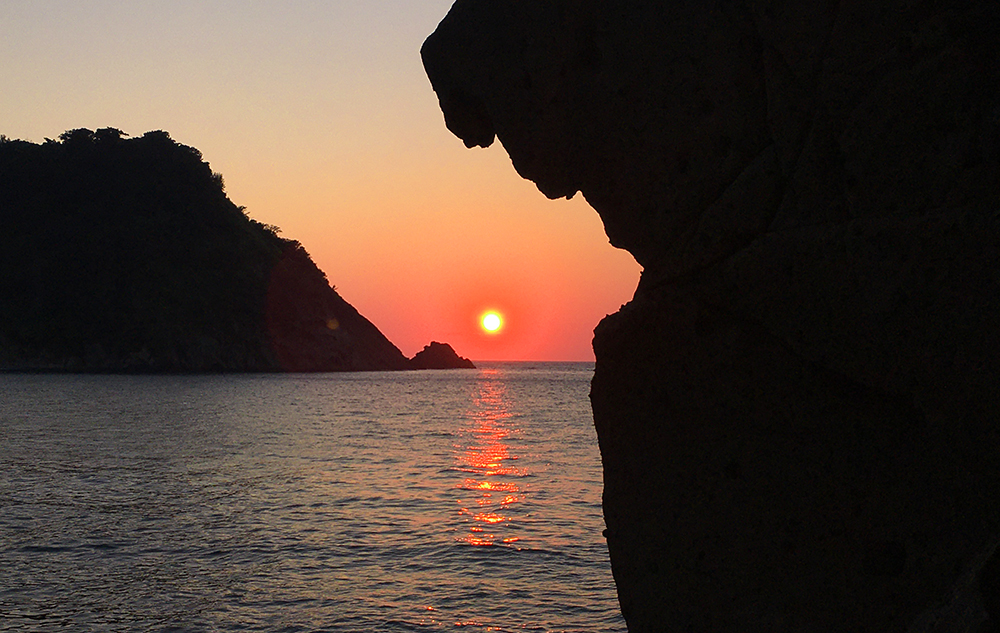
x=488 y=495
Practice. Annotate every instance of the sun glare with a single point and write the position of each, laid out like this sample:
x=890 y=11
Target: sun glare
x=492 y=322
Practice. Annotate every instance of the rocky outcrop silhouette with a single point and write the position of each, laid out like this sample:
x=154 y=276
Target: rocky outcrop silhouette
x=125 y=255
x=798 y=411
x=439 y=356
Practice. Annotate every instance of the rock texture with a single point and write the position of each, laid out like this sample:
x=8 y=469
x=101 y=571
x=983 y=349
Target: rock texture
x=798 y=412
x=125 y=255
x=439 y=356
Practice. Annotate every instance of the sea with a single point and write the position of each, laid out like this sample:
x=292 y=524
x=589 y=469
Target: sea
x=458 y=500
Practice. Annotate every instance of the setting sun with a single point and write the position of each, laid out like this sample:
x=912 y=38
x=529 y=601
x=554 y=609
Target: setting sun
x=492 y=322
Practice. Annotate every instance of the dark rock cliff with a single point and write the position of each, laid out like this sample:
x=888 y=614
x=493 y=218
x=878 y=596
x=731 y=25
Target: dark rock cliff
x=798 y=412
x=126 y=255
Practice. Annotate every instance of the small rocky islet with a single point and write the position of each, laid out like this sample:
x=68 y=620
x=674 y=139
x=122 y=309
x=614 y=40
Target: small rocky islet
x=439 y=356
x=125 y=255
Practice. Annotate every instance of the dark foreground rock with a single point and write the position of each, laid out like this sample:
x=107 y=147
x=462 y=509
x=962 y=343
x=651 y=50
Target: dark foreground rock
x=798 y=412
x=439 y=356
x=125 y=255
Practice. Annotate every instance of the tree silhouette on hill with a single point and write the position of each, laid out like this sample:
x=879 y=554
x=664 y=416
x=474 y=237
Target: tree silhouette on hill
x=125 y=254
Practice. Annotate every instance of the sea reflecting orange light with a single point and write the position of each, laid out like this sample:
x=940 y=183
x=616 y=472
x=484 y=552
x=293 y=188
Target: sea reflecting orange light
x=490 y=517
x=494 y=486
x=486 y=456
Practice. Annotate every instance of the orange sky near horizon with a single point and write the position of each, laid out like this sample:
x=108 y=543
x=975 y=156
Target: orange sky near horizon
x=322 y=122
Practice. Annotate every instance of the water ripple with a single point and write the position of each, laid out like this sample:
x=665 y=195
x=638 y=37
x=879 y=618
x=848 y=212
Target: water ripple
x=303 y=503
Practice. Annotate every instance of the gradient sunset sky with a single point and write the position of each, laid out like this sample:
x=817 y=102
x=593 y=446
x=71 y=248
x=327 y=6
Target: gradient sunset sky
x=321 y=120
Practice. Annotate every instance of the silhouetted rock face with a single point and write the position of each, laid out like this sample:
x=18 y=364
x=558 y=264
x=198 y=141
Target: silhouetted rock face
x=798 y=412
x=439 y=356
x=126 y=255
x=311 y=328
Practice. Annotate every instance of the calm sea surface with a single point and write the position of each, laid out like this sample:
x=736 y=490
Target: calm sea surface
x=462 y=500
